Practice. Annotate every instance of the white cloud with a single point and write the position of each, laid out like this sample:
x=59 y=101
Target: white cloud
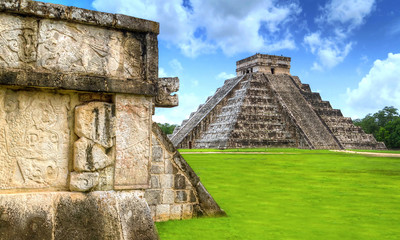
x=176 y=67
x=329 y=52
x=162 y=73
x=338 y=19
x=350 y=13
x=379 y=88
x=224 y=76
x=234 y=26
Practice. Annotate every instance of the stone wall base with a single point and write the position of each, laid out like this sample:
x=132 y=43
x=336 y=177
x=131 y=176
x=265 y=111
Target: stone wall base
x=69 y=215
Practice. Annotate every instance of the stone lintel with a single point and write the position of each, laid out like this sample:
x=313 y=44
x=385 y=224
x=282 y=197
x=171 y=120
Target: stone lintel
x=73 y=81
x=78 y=15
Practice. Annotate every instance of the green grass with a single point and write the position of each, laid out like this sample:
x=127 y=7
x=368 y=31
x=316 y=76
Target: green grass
x=309 y=195
x=288 y=150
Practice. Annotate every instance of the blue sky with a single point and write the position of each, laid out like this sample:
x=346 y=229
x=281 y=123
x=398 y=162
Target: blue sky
x=347 y=50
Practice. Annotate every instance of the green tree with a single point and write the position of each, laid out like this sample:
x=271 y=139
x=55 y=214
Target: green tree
x=167 y=128
x=384 y=125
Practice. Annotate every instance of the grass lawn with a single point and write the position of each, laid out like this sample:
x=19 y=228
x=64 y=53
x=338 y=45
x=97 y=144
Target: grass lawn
x=308 y=195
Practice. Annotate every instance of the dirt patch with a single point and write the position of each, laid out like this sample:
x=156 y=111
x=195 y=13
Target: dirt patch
x=375 y=154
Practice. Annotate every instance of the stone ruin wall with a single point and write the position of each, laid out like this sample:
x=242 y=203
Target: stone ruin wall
x=80 y=157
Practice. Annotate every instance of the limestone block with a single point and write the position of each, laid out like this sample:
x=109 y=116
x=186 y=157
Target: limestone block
x=95 y=121
x=34 y=139
x=89 y=156
x=193 y=198
x=26 y=216
x=83 y=182
x=106 y=179
x=162 y=212
x=180 y=196
x=133 y=136
x=153 y=197
x=155 y=181
x=157 y=154
x=169 y=167
x=180 y=182
x=187 y=211
x=168 y=196
x=157 y=169
x=167 y=180
x=176 y=212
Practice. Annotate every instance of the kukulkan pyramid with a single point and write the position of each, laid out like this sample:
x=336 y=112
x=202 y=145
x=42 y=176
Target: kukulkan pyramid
x=265 y=106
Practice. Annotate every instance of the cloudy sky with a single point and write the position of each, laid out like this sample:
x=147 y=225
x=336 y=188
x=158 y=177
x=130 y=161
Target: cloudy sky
x=347 y=50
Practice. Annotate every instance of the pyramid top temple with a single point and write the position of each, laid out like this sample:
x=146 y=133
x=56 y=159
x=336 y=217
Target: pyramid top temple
x=263 y=63
x=265 y=106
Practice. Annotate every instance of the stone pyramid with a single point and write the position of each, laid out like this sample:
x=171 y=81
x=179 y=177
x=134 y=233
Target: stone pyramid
x=265 y=106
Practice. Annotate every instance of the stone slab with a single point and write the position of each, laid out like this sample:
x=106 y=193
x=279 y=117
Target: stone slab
x=133 y=137
x=34 y=139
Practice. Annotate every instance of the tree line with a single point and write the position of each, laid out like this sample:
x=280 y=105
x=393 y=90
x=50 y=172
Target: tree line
x=167 y=128
x=384 y=125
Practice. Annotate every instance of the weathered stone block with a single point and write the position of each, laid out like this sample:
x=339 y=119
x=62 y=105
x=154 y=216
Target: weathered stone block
x=180 y=196
x=157 y=169
x=95 y=121
x=169 y=167
x=65 y=215
x=176 y=212
x=106 y=179
x=167 y=180
x=83 y=182
x=193 y=198
x=168 y=196
x=157 y=154
x=17 y=221
x=162 y=212
x=187 y=211
x=89 y=156
x=153 y=197
x=180 y=181
x=155 y=182
x=133 y=136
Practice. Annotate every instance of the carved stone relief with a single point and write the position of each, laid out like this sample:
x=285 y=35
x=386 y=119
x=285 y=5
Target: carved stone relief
x=18 y=40
x=133 y=133
x=34 y=138
x=165 y=87
x=81 y=48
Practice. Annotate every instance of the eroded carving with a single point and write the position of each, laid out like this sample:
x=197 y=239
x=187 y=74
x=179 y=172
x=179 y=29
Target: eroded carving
x=81 y=48
x=165 y=87
x=17 y=41
x=83 y=182
x=95 y=121
x=89 y=156
x=34 y=139
x=133 y=115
